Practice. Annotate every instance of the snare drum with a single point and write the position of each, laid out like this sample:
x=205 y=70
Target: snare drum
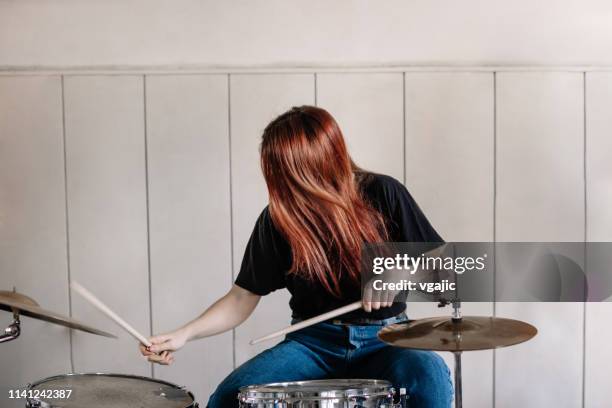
x=318 y=394
x=107 y=391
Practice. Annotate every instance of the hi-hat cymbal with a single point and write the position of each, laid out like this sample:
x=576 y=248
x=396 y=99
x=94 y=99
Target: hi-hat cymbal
x=26 y=306
x=467 y=334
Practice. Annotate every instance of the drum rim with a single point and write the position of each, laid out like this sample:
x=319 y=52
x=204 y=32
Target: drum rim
x=370 y=388
x=92 y=374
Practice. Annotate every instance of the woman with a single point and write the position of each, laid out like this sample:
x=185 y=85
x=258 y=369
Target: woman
x=322 y=209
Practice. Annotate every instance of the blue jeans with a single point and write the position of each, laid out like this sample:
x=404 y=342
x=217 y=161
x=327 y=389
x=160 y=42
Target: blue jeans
x=328 y=350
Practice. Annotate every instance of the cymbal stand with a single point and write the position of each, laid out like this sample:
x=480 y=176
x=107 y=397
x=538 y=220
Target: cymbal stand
x=457 y=317
x=458 y=385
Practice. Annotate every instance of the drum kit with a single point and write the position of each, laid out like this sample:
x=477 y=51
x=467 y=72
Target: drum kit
x=455 y=334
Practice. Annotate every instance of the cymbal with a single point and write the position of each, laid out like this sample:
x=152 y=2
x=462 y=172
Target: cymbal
x=468 y=334
x=26 y=306
x=19 y=297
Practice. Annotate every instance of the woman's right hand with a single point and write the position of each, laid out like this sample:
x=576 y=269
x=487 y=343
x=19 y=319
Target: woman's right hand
x=163 y=347
x=225 y=314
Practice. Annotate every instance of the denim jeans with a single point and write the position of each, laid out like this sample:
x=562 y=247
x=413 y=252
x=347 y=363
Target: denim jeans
x=328 y=350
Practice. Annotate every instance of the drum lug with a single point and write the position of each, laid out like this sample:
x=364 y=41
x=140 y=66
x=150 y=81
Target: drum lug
x=31 y=404
x=394 y=405
x=38 y=404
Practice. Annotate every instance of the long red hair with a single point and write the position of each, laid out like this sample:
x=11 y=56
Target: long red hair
x=315 y=199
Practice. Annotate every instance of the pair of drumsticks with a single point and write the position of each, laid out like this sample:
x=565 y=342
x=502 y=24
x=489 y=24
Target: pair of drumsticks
x=98 y=304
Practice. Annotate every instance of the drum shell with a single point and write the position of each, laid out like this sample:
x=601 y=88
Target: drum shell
x=264 y=397
x=38 y=403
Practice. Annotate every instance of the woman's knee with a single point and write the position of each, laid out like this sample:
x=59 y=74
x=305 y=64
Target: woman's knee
x=426 y=376
x=226 y=394
x=434 y=369
x=251 y=372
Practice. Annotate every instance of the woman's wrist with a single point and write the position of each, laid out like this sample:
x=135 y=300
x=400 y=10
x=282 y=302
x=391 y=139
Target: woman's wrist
x=186 y=332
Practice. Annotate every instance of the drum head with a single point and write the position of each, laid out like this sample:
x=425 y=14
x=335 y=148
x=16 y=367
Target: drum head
x=316 y=390
x=113 y=391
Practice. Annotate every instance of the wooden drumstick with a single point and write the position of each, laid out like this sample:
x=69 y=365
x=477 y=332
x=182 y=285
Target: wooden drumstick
x=97 y=303
x=309 y=322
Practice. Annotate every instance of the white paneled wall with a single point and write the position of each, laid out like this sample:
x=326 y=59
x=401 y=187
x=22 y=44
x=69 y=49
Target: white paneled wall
x=540 y=197
x=189 y=202
x=449 y=151
x=33 y=225
x=164 y=186
x=107 y=214
x=598 y=87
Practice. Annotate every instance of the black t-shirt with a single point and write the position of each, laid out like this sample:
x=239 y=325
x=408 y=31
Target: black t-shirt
x=267 y=257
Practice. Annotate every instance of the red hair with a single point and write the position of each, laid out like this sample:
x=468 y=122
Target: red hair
x=315 y=199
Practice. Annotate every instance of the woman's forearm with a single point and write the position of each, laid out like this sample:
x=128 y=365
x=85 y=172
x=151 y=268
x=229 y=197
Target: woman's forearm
x=223 y=315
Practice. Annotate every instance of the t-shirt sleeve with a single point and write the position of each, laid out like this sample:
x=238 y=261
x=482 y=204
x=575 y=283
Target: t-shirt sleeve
x=409 y=221
x=266 y=258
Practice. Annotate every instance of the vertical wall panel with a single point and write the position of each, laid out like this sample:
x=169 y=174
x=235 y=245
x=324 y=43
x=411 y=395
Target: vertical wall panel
x=32 y=226
x=255 y=100
x=449 y=170
x=599 y=155
x=449 y=151
x=599 y=228
x=189 y=213
x=540 y=197
x=368 y=108
x=107 y=214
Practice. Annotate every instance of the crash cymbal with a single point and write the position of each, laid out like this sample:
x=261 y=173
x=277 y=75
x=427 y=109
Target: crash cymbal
x=26 y=306
x=18 y=297
x=467 y=334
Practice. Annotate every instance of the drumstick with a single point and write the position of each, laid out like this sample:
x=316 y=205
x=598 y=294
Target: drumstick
x=108 y=312
x=309 y=322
